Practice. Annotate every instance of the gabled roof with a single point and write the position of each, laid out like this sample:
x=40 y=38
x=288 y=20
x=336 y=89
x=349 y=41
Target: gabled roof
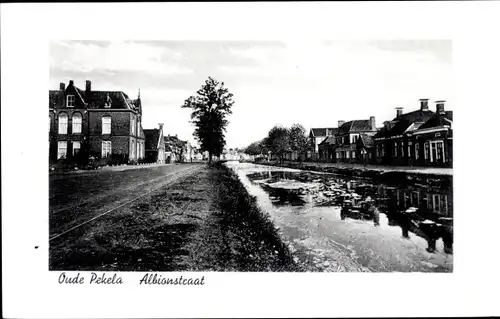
x=405 y=123
x=96 y=99
x=355 y=126
x=415 y=116
x=119 y=100
x=438 y=120
x=317 y=132
x=329 y=140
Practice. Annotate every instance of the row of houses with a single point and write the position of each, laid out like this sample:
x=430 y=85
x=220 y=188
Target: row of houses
x=422 y=137
x=169 y=149
x=107 y=125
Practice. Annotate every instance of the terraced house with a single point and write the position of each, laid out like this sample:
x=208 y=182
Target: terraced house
x=421 y=137
x=102 y=124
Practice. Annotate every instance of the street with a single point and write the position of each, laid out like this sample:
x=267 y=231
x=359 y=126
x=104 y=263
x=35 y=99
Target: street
x=78 y=202
x=75 y=198
x=160 y=218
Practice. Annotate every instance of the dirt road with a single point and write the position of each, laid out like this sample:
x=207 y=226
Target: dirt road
x=76 y=198
x=192 y=217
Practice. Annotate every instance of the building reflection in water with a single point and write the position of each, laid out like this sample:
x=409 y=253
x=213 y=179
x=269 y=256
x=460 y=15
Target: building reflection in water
x=419 y=209
x=422 y=210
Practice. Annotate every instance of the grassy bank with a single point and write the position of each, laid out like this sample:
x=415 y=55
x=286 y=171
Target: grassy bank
x=203 y=222
x=257 y=245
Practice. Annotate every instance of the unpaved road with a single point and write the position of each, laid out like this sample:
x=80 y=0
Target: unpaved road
x=77 y=198
x=191 y=218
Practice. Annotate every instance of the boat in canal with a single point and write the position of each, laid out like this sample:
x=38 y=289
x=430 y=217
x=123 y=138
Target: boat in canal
x=357 y=208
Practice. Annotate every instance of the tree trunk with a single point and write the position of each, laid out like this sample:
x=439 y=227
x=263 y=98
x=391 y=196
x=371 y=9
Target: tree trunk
x=209 y=157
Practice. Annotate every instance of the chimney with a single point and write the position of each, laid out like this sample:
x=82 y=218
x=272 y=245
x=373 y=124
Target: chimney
x=71 y=83
x=62 y=86
x=399 y=111
x=88 y=87
x=372 y=123
x=440 y=107
x=340 y=123
x=424 y=104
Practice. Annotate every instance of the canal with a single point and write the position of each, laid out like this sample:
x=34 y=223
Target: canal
x=337 y=223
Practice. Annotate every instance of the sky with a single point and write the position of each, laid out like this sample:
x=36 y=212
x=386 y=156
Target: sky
x=315 y=83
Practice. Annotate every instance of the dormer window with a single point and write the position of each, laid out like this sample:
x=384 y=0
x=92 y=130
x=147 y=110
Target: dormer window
x=107 y=104
x=70 y=101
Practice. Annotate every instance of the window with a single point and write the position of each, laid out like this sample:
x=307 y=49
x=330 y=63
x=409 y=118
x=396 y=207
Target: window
x=132 y=149
x=70 y=101
x=433 y=152
x=106 y=125
x=383 y=150
x=436 y=151
x=401 y=144
x=76 y=148
x=436 y=203
x=62 y=148
x=77 y=123
x=417 y=151
x=63 y=123
x=395 y=149
x=107 y=104
x=426 y=151
x=409 y=150
x=106 y=149
x=132 y=125
x=440 y=152
x=353 y=154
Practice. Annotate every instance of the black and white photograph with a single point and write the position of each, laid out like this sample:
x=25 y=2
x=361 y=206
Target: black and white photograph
x=249 y=159
x=251 y=156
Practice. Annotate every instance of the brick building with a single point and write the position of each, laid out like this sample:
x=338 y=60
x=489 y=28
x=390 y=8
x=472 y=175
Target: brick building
x=433 y=140
x=102 y=124
x=421 y=138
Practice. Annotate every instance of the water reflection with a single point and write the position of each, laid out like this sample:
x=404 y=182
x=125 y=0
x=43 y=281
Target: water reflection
x=426 y=211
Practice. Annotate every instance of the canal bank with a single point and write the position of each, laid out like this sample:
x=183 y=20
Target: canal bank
x=413 y=231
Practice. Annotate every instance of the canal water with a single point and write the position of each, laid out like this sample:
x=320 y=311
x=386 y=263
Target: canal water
x=409 y=227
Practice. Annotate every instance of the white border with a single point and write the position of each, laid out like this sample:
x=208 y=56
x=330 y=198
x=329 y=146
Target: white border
x=29 y=290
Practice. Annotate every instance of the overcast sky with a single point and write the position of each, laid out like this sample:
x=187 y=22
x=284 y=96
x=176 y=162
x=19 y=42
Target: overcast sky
x=314 y=84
